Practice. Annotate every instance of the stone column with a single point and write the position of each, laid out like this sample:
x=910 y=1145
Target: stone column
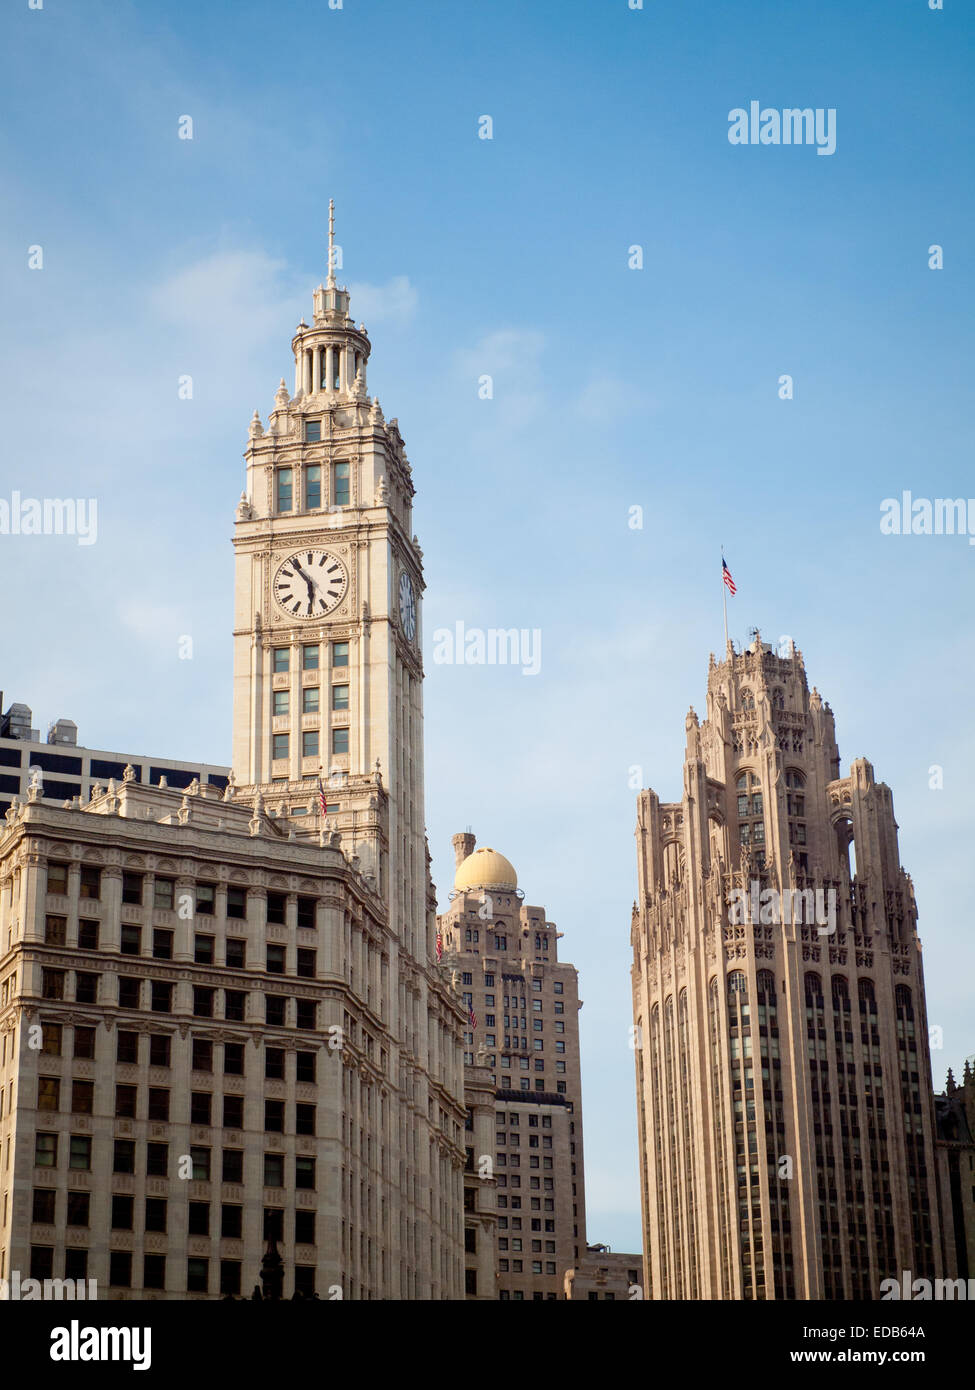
x=316 y=369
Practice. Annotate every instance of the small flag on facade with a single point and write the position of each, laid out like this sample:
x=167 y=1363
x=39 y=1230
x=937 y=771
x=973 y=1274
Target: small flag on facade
x=439 y=945
x=472 y=1015
x=321 y=797
x=726 y=576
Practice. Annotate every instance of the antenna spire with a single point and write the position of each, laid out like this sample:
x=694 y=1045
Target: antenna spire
x=331 y=244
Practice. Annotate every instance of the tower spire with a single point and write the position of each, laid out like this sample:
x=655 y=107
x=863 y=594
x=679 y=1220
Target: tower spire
x=331 y=244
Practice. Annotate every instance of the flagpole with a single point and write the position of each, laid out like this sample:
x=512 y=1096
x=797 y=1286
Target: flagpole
x=724 y=599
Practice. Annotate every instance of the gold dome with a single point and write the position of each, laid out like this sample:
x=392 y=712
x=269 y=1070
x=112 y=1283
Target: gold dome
x=486 y=868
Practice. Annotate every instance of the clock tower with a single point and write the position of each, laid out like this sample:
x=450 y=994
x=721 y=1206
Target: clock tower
x=327 y=668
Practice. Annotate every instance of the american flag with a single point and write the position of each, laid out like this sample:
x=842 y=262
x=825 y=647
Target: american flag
x=439 y=945
x=726 y=576
x=472 y=1015
x=321 y=798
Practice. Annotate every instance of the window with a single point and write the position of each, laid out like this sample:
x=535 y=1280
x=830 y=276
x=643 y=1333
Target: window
x=274 y=1170
x=313 y=479
x=48 y=1092
x=340 y=485
x=340 y=740
x=57 y=878
x=233 y=1112
x=128 y=991
x=304 y=1171
x=313 y=431
x=157 y=1160
x=233 y=1059
x=281 y=702
x=202 y=1054
x=162 y=944
x=306 y=1066
x=274 y=1063
x=203 y=1001
x=199 y=1219
x=340 y=697
x=198 y=1270
x=280 y=749
x=124 y=1157
x=200 y=1105
x=309 y=743
x=45 y=1150
x=162 y=893
x=275 y=960
x=236 y=952
x=200 y=1158
x=236 y=906
x=44 y=1204
x=276 y=905
x=205 y=898
x=91 y=881
x=160 y=1048
x=306 y=1014
x=284 y=489
x=122 y=1212
x=309 y=699
x=306 y=912
x=281 y=660
x=52 y=984
x=79 y=1154
x=130 y=942
x=235 y=1001
x=203 y=950
x=274 y=1116
x=304 y=1228
x=309 y=657
x=51 y=1039
x=120 y=1269
x=233 y=1165
x=306 y=963
x=132 y=888
x=340 y=653
x=304 y=1119
x=84 y=1043
x=87 y=936
x=154 y=1271
x=125 y=1101
x=55 y=930
x=127 y=1047
x=231 y=1221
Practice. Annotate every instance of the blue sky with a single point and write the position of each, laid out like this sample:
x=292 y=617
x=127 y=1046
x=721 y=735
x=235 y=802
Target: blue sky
x=612 y=388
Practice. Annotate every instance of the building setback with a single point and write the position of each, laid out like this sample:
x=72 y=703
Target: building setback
x=783 y=1079
x=504 y=957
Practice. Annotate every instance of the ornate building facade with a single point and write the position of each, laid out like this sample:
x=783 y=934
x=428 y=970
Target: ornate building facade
x=783 y=1072
x=523 y=1027
x=221 y=1016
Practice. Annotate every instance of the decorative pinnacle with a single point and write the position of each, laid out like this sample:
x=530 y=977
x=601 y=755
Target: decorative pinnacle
x=331 y=244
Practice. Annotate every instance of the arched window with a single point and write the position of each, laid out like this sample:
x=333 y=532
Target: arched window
x=794 y=778
x=865 y=989
x=737 y=984
x=766 y=986
x=814 y=986
x=778 y=698
x=902 y=998
x=841 y=992
x=747 y=700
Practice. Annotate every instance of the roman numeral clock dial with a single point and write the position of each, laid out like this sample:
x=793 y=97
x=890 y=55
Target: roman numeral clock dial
x=310 y=584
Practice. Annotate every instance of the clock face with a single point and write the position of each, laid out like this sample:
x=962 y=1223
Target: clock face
x=407 y=606
x=310 y=584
